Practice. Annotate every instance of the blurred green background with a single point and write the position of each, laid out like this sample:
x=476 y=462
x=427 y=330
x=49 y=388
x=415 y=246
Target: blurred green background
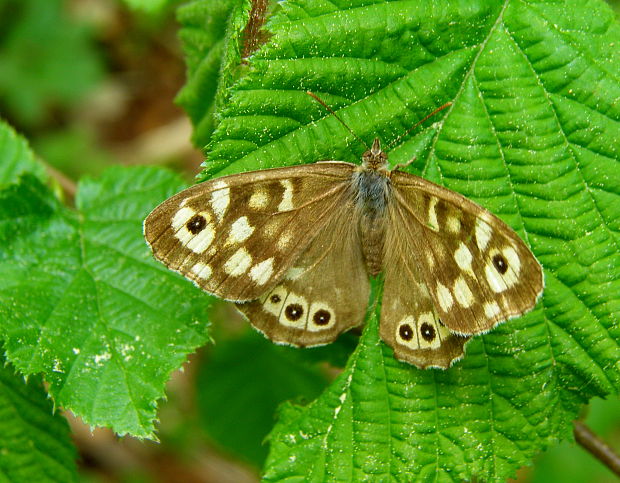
x=92 y=83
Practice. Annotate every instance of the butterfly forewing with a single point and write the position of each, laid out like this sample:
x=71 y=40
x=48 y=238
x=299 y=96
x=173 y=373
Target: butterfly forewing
x=325 y=291
x=237 y=235
x=477 y=270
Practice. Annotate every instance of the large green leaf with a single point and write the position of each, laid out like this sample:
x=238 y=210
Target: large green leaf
x=532 y=135
x=83 y=302
x=35 y=443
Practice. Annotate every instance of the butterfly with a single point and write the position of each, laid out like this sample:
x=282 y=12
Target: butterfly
x=294 y=248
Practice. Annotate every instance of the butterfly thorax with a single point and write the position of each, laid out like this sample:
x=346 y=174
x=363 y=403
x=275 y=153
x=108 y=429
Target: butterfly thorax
x=371 y=183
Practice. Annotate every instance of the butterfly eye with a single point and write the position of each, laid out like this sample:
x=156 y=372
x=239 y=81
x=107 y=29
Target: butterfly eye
x=321 y=317
x=500 y=263
x=428 y=332
x=196 y=224
x=293 y=312
x=406 y=332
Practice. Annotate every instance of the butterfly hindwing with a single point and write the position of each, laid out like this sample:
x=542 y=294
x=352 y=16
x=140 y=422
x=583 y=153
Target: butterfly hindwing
x=477 y=271
x=410 y=323
x=235 y=236
x=325 y=291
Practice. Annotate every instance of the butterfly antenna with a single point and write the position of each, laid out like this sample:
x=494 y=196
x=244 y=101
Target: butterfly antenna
x=320 y=101
x=439 y=109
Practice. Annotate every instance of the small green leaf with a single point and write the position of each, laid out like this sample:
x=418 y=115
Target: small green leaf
x=82 y=300
x=207 y=50
x=35 y=443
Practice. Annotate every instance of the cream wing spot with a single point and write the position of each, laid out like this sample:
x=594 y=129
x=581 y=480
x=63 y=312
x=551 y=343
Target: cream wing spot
x=240 y=231
x=274 y=300
x=238 y=263
x=272 y=227
x=220 y=199
x=287 y=197
x=321 y=317
x=430 y=259
x=429 y=331
x=444 y=296
x=491 y=309
x=463 y=258
x=181 y=217
x=197 y=233
x=294 y=312
x=432 y=214
x=259 y=200
x=502 y=271
x=496 y=282
x=453 y=224
x=187 y=224
x=406 y=332
x=514 y=262
x=462 y=293
x=284 y=241
x=202 y=270
x=294 y=273
x=483 y=234
x=262 y=272
x=423 y=288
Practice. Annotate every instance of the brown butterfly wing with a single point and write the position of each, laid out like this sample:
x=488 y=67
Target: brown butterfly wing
x=477 y=270
x=236 y=236
x=324 y=293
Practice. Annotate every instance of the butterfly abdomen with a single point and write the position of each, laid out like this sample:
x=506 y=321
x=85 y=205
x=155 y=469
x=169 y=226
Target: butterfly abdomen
x=372 y=191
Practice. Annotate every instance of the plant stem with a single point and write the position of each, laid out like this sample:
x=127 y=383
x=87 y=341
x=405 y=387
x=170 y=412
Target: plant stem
x=595 y=446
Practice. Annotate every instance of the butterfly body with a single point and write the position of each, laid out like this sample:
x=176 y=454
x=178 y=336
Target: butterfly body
x=294 y=248
x=371 y=191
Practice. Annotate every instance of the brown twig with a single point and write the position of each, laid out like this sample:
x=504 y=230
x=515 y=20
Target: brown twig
x=596 y=447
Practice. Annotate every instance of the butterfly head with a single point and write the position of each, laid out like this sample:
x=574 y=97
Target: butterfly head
x=375 y=159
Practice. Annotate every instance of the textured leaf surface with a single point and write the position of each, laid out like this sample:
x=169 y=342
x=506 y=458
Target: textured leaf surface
x=532 y=135
x=35 y=443
x=206 y=49
x=82 y=301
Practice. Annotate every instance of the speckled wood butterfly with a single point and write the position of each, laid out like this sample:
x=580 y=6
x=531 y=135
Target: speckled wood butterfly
x=294 y=247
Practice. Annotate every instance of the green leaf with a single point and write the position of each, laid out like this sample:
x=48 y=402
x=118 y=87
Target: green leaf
x=532 y=135
x=208 y=52
x=82 y=300
x=247 y=390
x=16 y=157
x=35 y=442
